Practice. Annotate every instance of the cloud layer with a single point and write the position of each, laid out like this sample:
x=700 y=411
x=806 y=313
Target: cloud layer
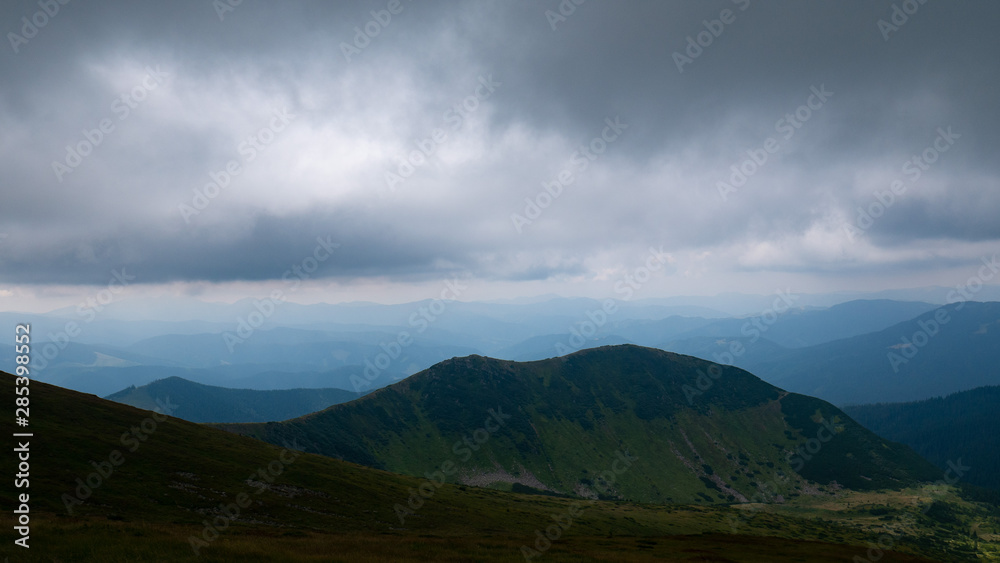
x=194 y=148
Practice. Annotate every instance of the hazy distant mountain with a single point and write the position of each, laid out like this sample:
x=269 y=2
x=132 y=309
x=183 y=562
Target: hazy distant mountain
x=853 y=318
x=553 y=345
x=550 y=425
x=792 y=327
x=206 y=403
x=105 y=380
x=653 y=333
x=739 y=351
x=302 y=349
x=961 y=428
x=913 y=360
x=49 y=355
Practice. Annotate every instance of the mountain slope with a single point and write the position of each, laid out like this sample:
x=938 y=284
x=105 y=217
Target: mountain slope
x=950 y=349
x=853 y=318
x=783 y=323
x=171 y=497
x=554 y=424
x=961 y=429
x=205 y=403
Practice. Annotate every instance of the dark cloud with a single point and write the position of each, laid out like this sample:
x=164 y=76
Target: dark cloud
x=325 y=174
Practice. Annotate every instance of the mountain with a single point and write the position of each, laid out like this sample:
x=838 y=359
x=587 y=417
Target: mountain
x=305 y=349
x=102 y=370
x=961 y=428
x=206 y=403
x=952 y=348
x=790 y=326
x=740 y=351
x=103 y=381
x=700 y=433
x=654 y=332
x=853 y=318
x=552 y=345
x=109 y=482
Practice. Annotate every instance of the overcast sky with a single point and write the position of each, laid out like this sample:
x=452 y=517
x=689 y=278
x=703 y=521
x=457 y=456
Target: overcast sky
x=316 y=109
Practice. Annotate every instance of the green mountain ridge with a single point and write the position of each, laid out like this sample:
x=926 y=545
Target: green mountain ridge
x=188 y=492
x=698 y=432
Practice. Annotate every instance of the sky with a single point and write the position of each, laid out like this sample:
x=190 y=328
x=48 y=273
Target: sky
x=342 y=151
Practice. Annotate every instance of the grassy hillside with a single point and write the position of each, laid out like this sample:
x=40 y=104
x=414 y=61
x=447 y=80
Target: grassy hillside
x=962 y=427
x=175 y=485
x=697 y=432
x=206 y=403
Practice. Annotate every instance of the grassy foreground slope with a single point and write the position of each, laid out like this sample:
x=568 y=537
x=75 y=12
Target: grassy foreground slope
x=171 y=486
x=697 y=432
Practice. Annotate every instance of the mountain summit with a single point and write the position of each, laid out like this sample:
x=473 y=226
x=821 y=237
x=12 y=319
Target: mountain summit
x=622 y=422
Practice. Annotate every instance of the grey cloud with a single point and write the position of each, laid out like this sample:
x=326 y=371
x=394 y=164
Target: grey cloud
x=656 y=185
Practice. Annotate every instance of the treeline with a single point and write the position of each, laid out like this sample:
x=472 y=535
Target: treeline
x=961 y=428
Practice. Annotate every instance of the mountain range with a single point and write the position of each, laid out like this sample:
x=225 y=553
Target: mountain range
x=949 y=349
x=206 y=403
x=721 y=434
x=168 y=489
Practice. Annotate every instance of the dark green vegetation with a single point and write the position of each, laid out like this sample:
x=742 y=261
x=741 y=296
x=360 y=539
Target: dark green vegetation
x=321 y=509
x=205 y=403
x=910 y=361
x=962 y=427
x=698 y=433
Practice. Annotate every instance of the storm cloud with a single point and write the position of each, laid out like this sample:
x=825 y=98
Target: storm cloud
x=201 y=141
